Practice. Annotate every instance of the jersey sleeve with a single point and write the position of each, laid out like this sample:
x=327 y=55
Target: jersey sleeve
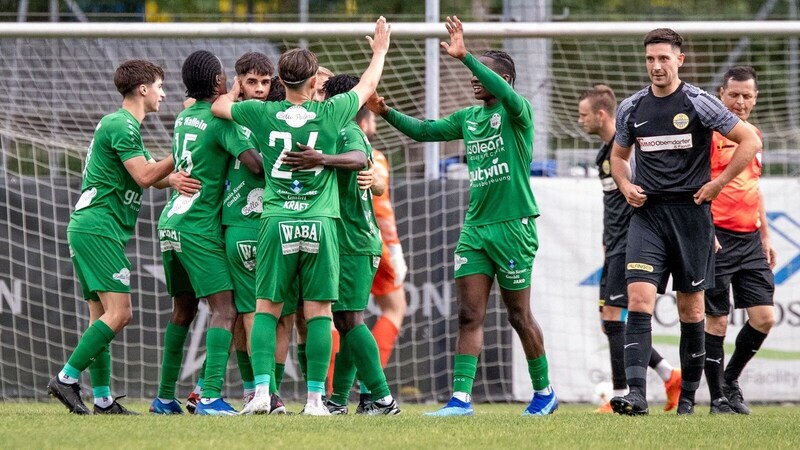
x=248 y=113
x=344 y=106
x=517 y=105
x=623 y=137
x=446 y=129
x=353 y=140
x=713 y=114
x=235 y=138
x=126 y=140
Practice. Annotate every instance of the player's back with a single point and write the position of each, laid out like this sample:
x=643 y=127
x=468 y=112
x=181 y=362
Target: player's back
x=303 y=193
x=202 y=146
x=110 y=197
x=358 y=230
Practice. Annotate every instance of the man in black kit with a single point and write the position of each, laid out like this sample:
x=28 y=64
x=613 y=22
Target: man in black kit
x=671 y=231
x=596 y=114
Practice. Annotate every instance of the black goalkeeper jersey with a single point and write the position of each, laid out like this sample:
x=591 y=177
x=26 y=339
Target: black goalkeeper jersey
x=672 y=137
x=616 y=210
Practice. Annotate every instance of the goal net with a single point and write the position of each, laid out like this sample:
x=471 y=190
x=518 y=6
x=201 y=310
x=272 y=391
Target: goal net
x=54 y=91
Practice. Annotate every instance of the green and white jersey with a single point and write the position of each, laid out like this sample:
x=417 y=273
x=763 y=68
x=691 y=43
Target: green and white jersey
x=278 y=127
x=241 y=206
x=110 y=197
x=499 y=148
x=358 y=231
x=202 y=146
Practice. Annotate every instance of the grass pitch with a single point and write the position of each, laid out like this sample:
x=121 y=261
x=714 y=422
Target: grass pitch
x=48 y=425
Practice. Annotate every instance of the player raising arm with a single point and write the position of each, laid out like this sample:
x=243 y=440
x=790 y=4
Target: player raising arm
x=495 y=242
x=298 y=237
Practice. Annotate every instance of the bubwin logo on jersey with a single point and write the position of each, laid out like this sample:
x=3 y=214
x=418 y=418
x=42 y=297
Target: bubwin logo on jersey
x=495 y=173
x=296 y=116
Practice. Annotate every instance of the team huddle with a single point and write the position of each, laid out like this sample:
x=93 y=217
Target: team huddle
x=279 y=218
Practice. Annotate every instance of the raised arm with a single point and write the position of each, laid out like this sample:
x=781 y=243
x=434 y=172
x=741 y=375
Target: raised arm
x=446 y=129
x=494 y=83
x=223 y=104
x=380 y=46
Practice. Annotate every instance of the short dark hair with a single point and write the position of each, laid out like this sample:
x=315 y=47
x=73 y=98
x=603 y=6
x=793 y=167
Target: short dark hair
x=339 y=84
x=296 y=66
x=740 y=73
x=134 y=73
x=664 y=36
x=600 y=97
x=255 y=62
x=277 y=93
x=199 y=73
x=505 y=61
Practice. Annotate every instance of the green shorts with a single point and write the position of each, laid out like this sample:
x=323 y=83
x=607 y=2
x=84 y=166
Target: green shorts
x=240 y=248
x=296 y=253
x=504 y=249
x=100 y=264
x=194 y=263
x=355 y=281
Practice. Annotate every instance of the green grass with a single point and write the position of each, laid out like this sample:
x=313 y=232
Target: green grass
x=48 y=425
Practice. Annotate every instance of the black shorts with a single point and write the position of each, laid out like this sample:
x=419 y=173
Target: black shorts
x=613 y=288
x=674 y=238
x=741 y=263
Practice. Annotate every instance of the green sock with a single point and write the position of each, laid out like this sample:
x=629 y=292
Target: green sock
x=279 y=369
x=344 y=371
x=218 y=341
x=171 y=360
x=262 y=344
x=537 y=367
x=201 y=381
x=367 y=358
x=318 y=349
x=245 y=367
x=94 y=340
x=302 y=362
x=100 y=374
x=464 y=371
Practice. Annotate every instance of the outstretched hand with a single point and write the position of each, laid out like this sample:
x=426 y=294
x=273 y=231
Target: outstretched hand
x=456 y=47
x=377 y=104
x=380 y=43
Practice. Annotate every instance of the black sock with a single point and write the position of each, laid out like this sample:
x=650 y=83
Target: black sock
x=748 y=341
x=655 y=358
x=638 y=342
x=715 y=359
x=693 y=356
x=615 y=331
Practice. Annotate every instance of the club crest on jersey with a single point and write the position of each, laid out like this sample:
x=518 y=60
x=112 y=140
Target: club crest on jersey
x=123 y=276
x=494 y=122
x=296 y=186
x=253 y=202
x=296 y=116
x=680 y=121
x=606 y=167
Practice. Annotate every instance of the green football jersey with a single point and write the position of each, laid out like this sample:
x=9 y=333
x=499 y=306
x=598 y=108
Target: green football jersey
x=278 y=127
x=358 y=231
x=499 y=148
x=241 y=206
x=202 y=146
x=110 y=197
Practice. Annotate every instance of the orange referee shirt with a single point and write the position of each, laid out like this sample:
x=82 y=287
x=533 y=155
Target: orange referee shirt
x=737 y=206
x=384 y=212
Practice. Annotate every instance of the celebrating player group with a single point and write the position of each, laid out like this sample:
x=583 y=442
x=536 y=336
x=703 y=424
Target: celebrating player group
x=279 y=217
